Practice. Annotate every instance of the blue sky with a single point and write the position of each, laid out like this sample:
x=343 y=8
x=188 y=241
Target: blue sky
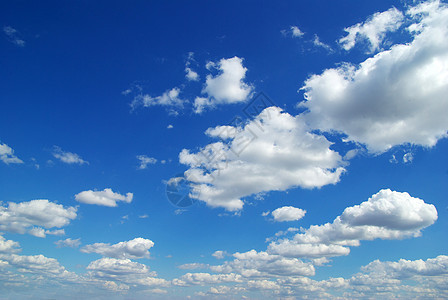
x=233 y=149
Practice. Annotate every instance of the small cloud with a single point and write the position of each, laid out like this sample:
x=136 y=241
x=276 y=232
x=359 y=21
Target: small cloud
x=318 y=43
x=13 y=36
x=105 y=198
x=294 y=31
x=288 y=213
x=68 y=243
x=266 y=213
x=408 y=157
x=145 y=216
x=7 y=155
x=145 y=161
x=170 y=126
x=68 y=157
x=220 y=254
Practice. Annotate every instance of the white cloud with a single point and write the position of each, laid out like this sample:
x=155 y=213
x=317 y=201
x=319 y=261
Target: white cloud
x=408 y=157
x=206 y=278
x=136 y=248
x=191 y=75
x=145 y=161
x=8 y=246
x=373 y=30
x=170 y=98
x=68 y=157
x=260 y=264
x=22 y=217
x=7 y=155
x=106 y=197
x=193 y=266
x=288 y=213
x=386 y=215
x=318 y=43
x=225 y=88
x=294 y=31
x=219 y=254
x=170 y=126
x=273 y=152
x=13 y=36
x=72 y=243
x=393 y=98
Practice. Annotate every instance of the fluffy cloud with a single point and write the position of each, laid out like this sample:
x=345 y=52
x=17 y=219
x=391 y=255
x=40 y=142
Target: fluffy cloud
x=288 y=213
x=106 y=197
x=257 y=264
x=396 y=97
x=226 y=87
x=136 y=248
x=8 y=246
x=72 y=243
x=272 y=152
x=373 y=30
x=294 y=31
x=219 y=254
x=68 y=157
x=145 y=161
x=206 y=278
x=170 y=99
x=190 y=74
x=386 y=215
x=7 y=155
x=22 y=217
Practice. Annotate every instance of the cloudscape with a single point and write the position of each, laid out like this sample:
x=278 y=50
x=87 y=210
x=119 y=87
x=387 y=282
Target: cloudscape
x=224 y=149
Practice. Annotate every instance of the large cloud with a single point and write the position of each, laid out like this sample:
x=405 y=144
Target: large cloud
x=105 y=198
x=273 y=152
x=136 y=248
x=21 y=217
x=396 y=97
x=386 y=215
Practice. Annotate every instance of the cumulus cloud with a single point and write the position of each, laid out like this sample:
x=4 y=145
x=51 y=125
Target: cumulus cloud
x=288 y=213
x=225 y=88
x=219 y=254
x=68 y=157
x=386 y=215
x=206 y=278
x=373 y=30
x=294 y=31
x=273 y=152
x=105 y=198
x=24 y=216
x=8 y=246
x=71 y=243
x=396 y=97
x=14 y=36
x=145 y=161
x=190 y=74
x=7 y=155
x=136 y=248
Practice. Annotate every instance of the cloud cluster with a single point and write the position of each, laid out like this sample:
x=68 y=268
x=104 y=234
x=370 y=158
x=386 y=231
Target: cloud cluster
x=275 y=151
x=7 y=155
x=396 y=97
x=24 y=216
x=105 y=197
x=133 y=249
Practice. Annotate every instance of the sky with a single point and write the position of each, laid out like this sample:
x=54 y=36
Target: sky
x=223 y=149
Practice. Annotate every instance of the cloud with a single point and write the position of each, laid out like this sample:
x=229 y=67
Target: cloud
x=193 y=266
x=190 y=74
x=273 y=152
x=105 y=198
x=225 y=88
x=14 y=36
x=386 y=215
x=145 y=161
x=294 y=31
x=260 y=264
x=136 y=248
x=8 y=246
x=396 y=97
x=68 y=157
x=7 y=155
x=170 y=99
x=288 y=213
x=206 y=278
x=373 y=30
x=219 y=254
x=317 y=42
x=22 y=217
x=72 y=243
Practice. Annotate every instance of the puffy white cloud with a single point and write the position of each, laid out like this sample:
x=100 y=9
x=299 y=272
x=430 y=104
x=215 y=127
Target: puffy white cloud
x=36 y=264
x=386 y=215
x=136 y=248
x=225 y=88
x=288 y=213
x=373 y=30
x=72 y=243
x=68 y=157
x=193 y=266
x=23 y=216
x=145 y=161
x=8 y=246
x=191 y=75
x=219 y=254
x=396 y=97
x=7 y=155
x=256 y=264
x=206 y=278
x=106 y=197
x=273 y=152
x=294 y=31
